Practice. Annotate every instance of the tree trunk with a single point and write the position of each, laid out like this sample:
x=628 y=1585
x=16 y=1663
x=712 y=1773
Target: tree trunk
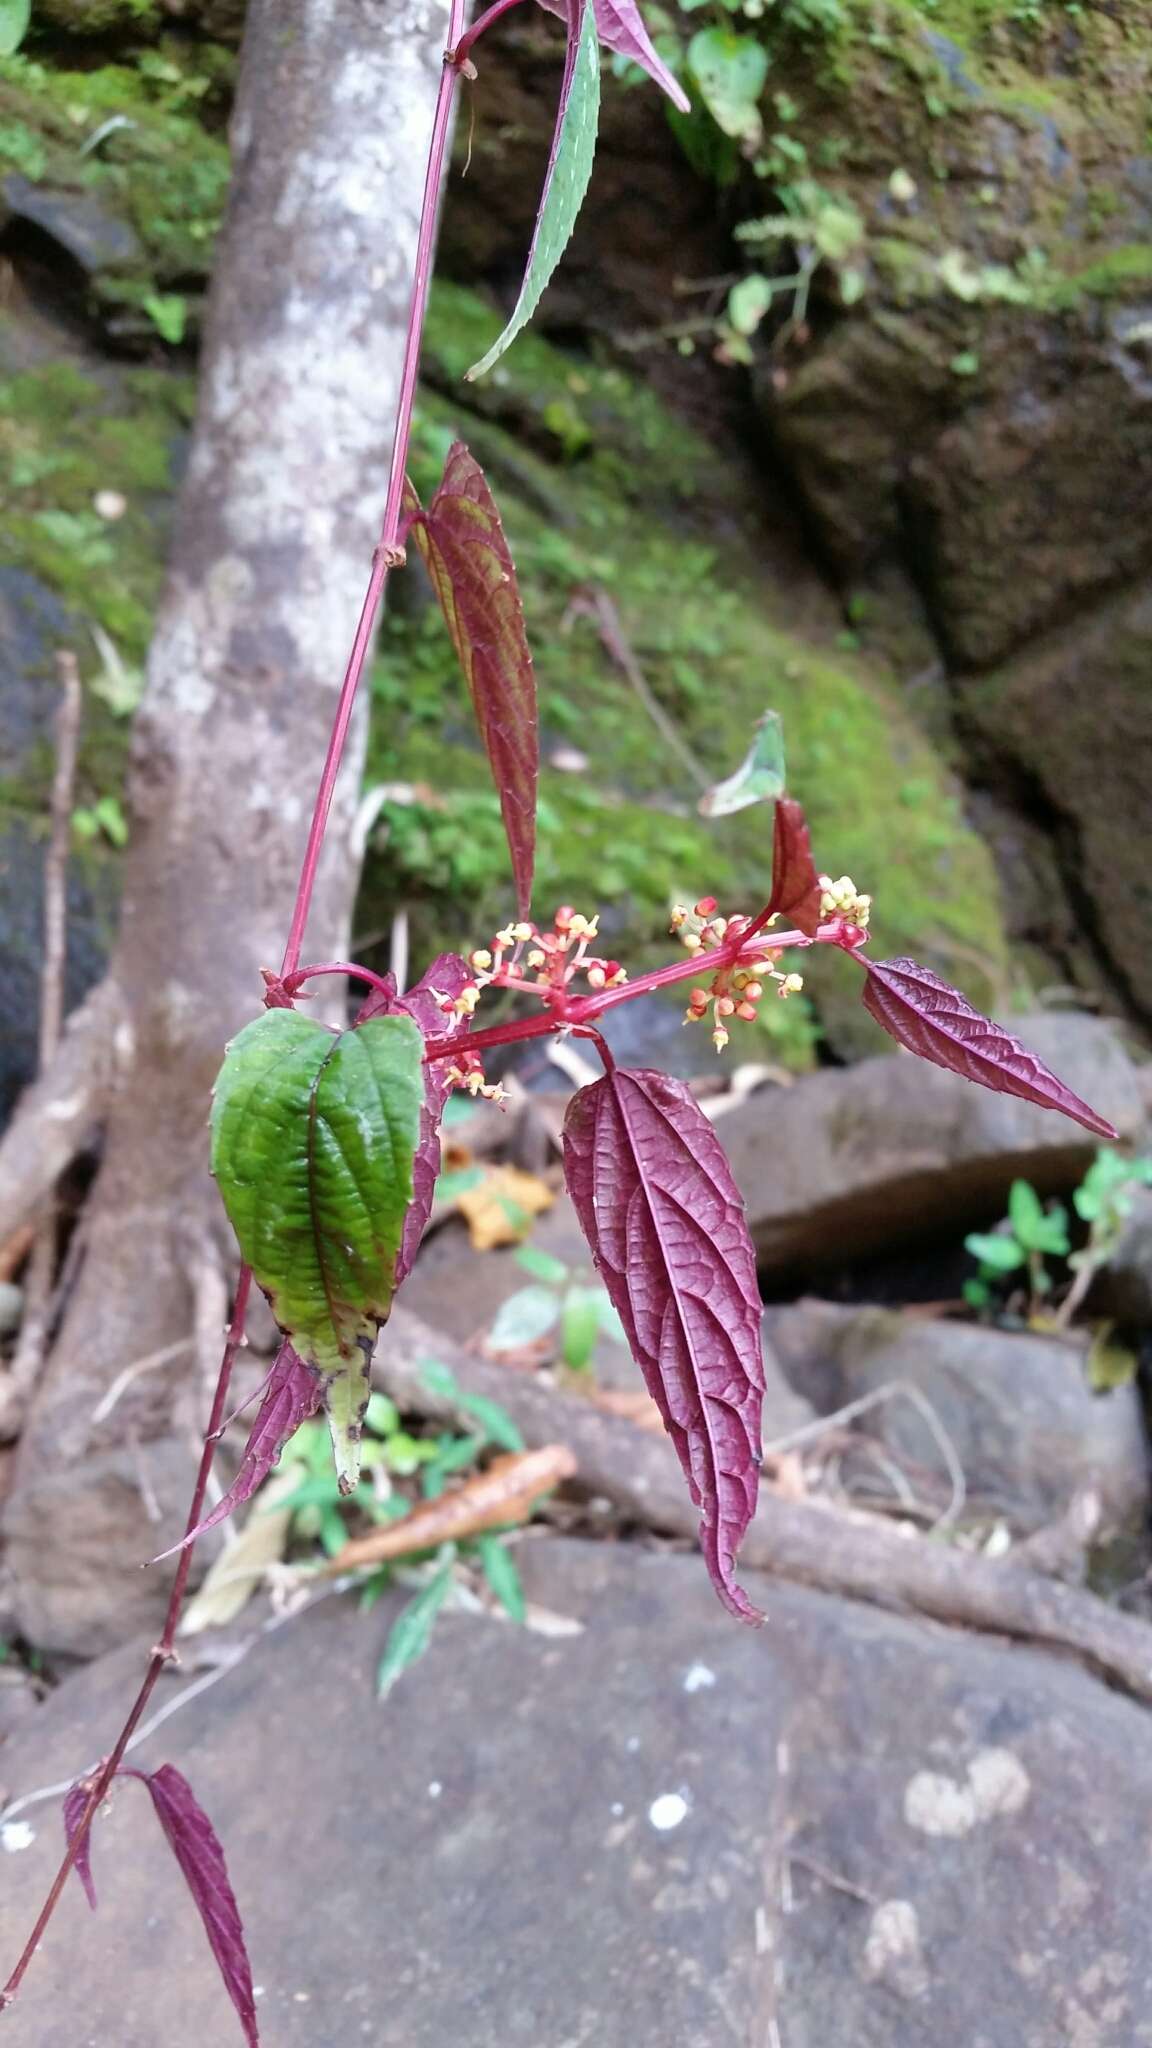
x=277 y=521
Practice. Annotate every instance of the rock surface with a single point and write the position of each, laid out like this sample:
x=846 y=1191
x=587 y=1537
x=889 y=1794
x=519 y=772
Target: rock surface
x=666 y=1829
x=844 y=1162
x=1025 y=1427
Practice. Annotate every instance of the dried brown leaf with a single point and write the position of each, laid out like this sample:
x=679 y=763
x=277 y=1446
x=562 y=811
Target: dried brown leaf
x=506 y=1491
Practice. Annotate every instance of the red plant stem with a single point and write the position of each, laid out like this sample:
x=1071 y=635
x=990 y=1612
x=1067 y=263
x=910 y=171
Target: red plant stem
x=346 y=967
x=385 y=557
x=583 y=1010
x=484 y=21
x=163 y=1654
x=388 y=552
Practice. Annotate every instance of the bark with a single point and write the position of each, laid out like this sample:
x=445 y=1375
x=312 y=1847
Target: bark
x=277 y=521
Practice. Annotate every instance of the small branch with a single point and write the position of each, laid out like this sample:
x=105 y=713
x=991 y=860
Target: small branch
x=594 y=603
x=40 y=1275
x=458 y=52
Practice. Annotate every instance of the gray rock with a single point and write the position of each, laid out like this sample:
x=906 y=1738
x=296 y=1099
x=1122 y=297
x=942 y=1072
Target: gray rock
x=1026 y=1428
x=96 y=238
x=846 y=1162
x=846 y=1827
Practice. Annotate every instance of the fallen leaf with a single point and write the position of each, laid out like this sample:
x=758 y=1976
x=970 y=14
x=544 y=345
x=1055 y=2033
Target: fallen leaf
x=234 y=1576
x=638 y=1407
x=506 y=1491
x=500 y=1210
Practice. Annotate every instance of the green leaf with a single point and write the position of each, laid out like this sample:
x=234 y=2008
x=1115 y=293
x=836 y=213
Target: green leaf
x=499 y=1568
x=313 y=1138
x=525 y=1316
x=498 y=1424
x=411 y=1632
x=749 y=300
x=730 y=71
x=999 y=1254
x=168 y=312
x=569 y=170
x=455 y=1454
x=579 y=1327
x=1025 y=1211
x=759 y=778
x=14 y=18
x=541 y=1265
x=381 y=1415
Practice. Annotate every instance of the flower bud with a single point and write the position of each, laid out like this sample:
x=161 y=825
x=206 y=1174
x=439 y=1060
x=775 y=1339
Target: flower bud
x=747 y=1011
x=596 y=977
x=706 y=906
x=481 y=959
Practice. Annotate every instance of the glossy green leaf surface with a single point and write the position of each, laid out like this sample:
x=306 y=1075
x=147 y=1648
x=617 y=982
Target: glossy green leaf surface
x=313 y=1139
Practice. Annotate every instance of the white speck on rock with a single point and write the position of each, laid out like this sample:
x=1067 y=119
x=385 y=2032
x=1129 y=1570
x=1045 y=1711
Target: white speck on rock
x=633 y=1743
x=617 y=1809
x=998 y=1785
x=698 y=1678
x=668 y=1811
x=892 y=1953
x=17 y=1835
x=435 y=1789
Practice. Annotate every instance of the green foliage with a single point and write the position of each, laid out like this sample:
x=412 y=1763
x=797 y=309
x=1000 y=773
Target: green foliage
x=559 y=1300
x=322 y=1513
x=313 y=1139
x=14 y=18
x=1034 y=1232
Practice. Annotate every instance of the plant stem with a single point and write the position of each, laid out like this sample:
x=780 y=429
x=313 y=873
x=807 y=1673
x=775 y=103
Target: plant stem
x=459 y=50
x=386 y=556
x=582 y=1011
x=164 y=1652
x=388 y=553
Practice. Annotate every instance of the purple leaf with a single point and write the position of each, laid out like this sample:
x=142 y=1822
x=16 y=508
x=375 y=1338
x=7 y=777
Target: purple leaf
x=197 y=1850
x=293 y=1392
x=664 y=1218
x=796 y=888
x=620 y=27
x=462 y=542
x=75 y=1801
x=447 y=975
x=934 y=1020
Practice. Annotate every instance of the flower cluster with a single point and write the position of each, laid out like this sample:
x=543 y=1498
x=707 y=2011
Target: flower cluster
x=735 y=990
x=842 y=899
x=543 y=963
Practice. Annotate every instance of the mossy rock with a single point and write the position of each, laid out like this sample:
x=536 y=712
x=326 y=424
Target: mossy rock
x=124 y=168
x=977 y=413
x=619 y=825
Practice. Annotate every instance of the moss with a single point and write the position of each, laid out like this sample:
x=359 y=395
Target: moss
x=623 y=829
x=159 y=170
x=65 y=438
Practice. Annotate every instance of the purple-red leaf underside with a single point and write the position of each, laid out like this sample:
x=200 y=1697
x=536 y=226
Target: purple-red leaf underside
x=933 y=1020
x=665 y=1221
x=620 y=27
x=796 y=888
x=293 y=1393
x=197 y=1850
x=462 y=542
x=447 y=975
x=75 y=1801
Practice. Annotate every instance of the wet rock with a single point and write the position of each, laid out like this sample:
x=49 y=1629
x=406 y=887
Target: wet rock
x=1026 y=1430
x=663 y=1829
x=846 y=1162
x=1124 y=1289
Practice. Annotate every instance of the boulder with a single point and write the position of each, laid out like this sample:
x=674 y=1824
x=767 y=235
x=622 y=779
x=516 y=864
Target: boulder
x=661 y=1829
x=845 y=1162
x=1024 y=1426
